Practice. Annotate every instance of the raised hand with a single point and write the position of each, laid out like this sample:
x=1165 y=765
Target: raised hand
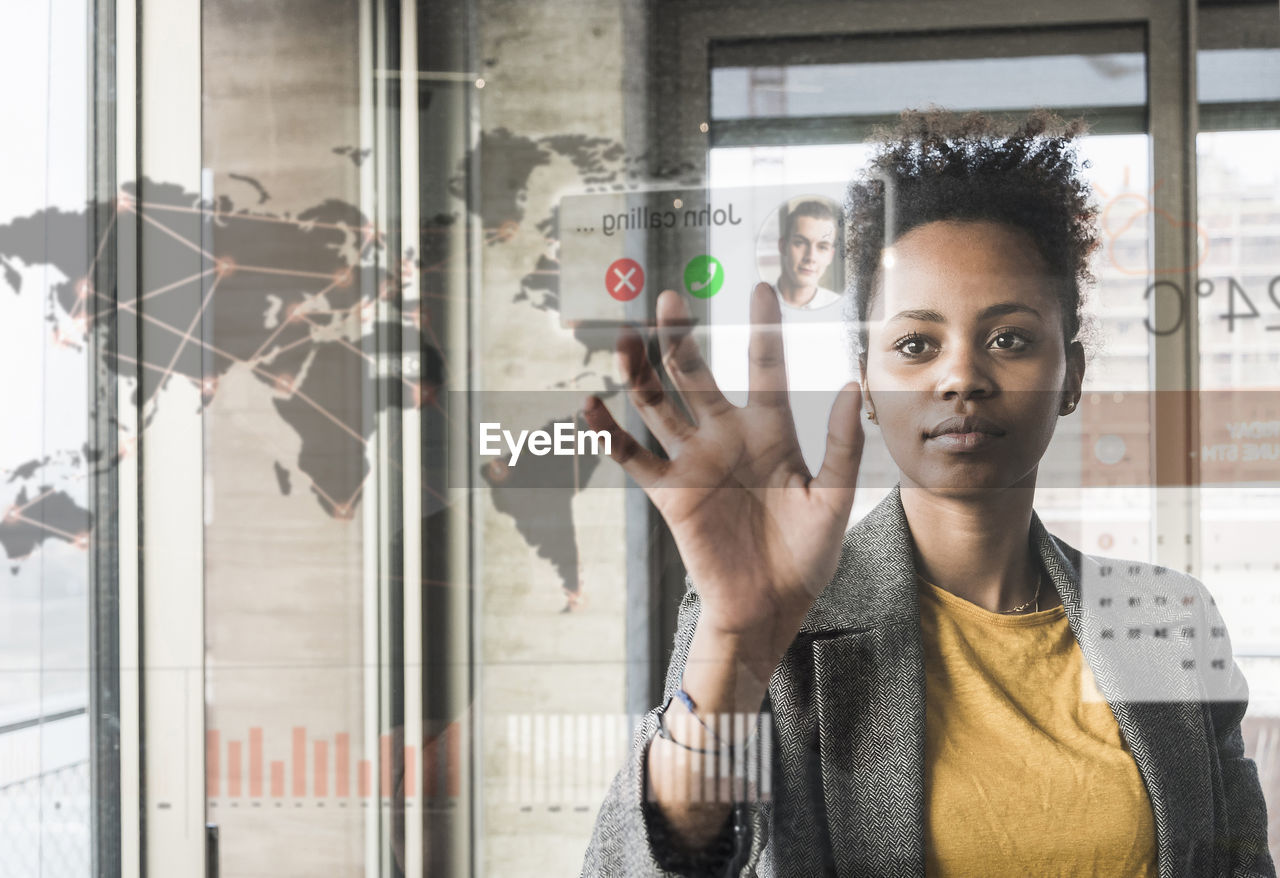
x=759 y=534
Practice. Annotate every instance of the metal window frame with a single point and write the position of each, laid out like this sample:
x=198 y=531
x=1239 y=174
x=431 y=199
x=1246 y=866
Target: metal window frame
x=126 y=505
x=1007 y=42
x=383 y=504
x=1238 y=26
x=105 y=781
x=421 y=637
x=161 y=485
x=147 y=642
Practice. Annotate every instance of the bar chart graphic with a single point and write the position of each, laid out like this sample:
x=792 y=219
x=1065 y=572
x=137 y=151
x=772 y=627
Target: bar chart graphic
x=539 y=761
x=325 y=767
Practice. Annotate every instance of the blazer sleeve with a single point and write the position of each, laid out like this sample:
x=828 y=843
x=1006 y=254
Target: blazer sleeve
x=1245 y=843
x=630 y=835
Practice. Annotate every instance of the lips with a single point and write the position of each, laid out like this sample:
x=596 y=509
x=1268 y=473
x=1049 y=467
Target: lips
x=966 y=425
x=964 y=442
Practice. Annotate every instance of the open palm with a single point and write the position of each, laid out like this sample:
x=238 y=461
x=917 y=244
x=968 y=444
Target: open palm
x=759 y=535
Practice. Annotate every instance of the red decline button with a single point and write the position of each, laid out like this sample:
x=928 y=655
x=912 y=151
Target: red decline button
x=624 y=279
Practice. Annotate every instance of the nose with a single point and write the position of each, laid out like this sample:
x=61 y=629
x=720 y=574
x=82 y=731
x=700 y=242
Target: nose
x=963 y=375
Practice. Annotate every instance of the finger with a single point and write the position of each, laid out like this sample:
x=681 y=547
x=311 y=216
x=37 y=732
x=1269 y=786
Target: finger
x=839 y=472
x=767 y=375
x=644 y=467
x=644 y=388
x=683 y=360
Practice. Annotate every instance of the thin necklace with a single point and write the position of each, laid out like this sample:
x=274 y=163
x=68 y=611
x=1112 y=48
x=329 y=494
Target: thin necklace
x=1034 y=600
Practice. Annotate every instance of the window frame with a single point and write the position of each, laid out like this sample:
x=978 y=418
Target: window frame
x=683 y=132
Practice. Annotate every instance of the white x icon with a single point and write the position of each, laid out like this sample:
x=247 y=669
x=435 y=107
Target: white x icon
x=624 y=278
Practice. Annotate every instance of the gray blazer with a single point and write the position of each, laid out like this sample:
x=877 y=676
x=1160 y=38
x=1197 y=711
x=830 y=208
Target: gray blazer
x=848 y=702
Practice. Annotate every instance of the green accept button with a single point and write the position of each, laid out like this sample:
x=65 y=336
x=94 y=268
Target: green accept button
x=703 y=276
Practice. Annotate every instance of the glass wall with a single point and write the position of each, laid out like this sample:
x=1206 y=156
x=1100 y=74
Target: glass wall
x=46 y=462
x=338 y=737
x=287 y=421
x=1238 y=299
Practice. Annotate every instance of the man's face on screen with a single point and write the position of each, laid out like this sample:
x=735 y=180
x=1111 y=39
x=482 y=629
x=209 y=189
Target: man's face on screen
x=966 y=323
x=807 y=252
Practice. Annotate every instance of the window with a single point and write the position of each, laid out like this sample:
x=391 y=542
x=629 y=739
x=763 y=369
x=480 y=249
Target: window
x=1239 y=196
x=800 y=111
x=47 y=507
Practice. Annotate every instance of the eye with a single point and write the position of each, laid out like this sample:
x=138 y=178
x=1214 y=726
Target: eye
x=1014 y=340
x=913 y=338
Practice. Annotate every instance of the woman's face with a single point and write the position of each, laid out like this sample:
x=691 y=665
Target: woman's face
x=965 y=324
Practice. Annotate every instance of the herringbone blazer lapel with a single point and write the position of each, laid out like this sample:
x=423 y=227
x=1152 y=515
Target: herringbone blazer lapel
x=868 y=672
x=869 y=686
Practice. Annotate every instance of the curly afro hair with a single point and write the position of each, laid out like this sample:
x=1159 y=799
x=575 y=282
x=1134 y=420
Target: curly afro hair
x=939 y=165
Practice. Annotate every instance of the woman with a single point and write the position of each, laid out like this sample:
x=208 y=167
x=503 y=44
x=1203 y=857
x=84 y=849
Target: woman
x=927 y=675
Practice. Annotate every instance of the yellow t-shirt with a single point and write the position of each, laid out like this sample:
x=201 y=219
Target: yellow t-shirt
x=1024 y=774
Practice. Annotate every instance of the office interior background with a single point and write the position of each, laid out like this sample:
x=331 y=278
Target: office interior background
x=265 y=266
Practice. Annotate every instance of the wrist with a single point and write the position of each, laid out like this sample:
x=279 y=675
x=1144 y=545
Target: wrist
x=760 y=646
x=731 y=670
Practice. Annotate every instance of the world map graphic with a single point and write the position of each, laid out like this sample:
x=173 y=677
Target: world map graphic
x=294 y=300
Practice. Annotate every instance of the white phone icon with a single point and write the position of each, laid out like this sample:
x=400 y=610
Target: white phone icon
x=702 y=285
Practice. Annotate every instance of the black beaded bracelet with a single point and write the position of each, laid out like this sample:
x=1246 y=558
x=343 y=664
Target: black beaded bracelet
x=665 y=733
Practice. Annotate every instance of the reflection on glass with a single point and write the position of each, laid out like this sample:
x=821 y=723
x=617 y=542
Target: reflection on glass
x=45 y=461
x=1238 y=289
x=423 y=658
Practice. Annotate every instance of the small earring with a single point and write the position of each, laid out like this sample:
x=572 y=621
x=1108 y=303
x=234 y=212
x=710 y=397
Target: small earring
x=1069 y=406
x=871 y=416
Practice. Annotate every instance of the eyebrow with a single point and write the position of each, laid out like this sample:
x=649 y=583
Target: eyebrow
x=997 y=310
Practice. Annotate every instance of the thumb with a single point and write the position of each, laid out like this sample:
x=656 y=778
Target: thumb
x=839 y=472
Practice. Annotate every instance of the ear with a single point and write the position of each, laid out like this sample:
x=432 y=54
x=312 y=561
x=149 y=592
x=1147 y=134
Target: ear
x=1075 y=369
